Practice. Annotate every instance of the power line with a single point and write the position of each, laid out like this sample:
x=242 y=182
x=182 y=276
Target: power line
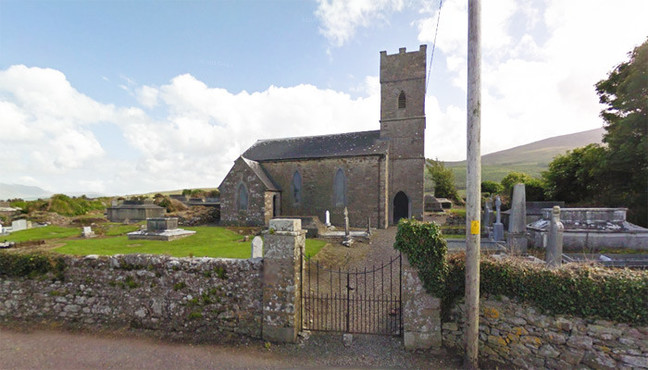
x=436 y=32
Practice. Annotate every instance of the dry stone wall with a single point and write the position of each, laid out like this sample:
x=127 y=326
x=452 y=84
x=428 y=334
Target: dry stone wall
x=198 y=299
x=518 y=334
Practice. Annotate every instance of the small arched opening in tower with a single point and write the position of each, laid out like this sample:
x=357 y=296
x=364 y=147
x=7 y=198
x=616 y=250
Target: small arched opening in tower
x=402 y=101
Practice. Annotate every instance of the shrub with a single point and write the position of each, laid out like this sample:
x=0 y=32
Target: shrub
x=426 y=250
x=491 y=187
x=613 y=294
x=30 y=265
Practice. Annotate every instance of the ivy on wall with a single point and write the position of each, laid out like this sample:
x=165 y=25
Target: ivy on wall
x=587 y=291
x=426 y=250
x=30 y=265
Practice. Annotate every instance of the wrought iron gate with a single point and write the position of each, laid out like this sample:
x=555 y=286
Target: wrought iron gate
x=359 y=301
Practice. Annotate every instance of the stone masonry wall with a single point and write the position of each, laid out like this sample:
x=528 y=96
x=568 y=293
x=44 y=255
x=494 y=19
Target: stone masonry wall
x=518 y=334
x=364 y=176
x=198 y=299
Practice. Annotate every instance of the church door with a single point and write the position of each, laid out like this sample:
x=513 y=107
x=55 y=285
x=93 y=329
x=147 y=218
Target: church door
x=401 y=206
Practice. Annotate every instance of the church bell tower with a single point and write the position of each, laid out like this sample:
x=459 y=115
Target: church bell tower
x=402 y=123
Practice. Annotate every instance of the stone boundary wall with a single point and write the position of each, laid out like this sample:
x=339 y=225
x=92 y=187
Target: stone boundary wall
x=518 y=334
x=196 y=299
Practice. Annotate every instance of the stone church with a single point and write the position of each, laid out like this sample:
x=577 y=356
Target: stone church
x=377 y=175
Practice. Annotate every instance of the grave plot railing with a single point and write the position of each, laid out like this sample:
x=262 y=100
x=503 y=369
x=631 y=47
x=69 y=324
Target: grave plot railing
x=366 y=301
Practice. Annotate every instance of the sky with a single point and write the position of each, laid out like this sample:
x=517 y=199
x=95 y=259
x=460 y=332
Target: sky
x=125 y=97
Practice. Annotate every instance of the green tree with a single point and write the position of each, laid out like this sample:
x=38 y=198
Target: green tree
x=491 y=187
x=534 y=188
x=443 y=179
x=575 y=177
x=625 y=93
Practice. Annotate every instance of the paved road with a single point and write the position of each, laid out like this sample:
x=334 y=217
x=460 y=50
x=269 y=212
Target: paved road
x=48 y=349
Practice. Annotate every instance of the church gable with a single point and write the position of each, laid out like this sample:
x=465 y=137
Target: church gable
x=243 y=193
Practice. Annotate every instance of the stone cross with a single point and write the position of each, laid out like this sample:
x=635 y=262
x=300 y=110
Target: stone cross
x=555 y=239
x=498 y=227
x=257 y=247
x=346 y=222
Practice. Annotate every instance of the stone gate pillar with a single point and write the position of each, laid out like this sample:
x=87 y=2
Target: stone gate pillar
x=284 y=245
x=421 y=312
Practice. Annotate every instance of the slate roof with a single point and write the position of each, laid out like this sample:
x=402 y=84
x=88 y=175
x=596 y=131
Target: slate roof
x=261 y=174
x=338 y=145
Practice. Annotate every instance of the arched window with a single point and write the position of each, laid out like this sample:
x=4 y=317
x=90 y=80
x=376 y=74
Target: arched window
x=339 y=188
x=402 y=101
x=297 y=187
x=242 y=198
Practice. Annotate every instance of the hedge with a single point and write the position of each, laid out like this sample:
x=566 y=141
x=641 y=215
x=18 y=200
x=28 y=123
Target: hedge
x=30 y=265
x=587 y=291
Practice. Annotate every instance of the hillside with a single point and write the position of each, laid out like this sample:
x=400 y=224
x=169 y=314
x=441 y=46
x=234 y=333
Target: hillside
x=12 y=191
x=530 y=158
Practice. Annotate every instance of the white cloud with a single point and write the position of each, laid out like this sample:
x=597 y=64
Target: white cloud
x=534 y=84
x=341 y=18
x=147 y=96
x=44 y=120
x=194 y=145
x=208 y=128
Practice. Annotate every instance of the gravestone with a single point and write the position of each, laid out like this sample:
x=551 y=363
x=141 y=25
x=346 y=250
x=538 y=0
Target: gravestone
x=328 y=218
x=347 y=233
x=488 y=215
x=161 y=228
x=555 y=239
x=516 y=239
x=346 y=222
x=498 y=227
x=257 y=247
x=87 y=232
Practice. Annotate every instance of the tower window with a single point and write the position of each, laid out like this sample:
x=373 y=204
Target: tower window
x=402 y=101
x=242 y=198
x=297 y=187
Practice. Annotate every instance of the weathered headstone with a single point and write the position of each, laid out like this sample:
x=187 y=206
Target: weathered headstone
x=555 y=239
x=257 y=247
x=498 y=227
x=87 y=232
x=346 y=222
x=488 y=217
x=517 y=241
x=328 y=218
x=347 y=233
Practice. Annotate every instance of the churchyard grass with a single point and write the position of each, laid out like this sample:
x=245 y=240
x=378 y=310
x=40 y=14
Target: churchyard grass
x=207 y=242
x=116 y=229
x=43 y=233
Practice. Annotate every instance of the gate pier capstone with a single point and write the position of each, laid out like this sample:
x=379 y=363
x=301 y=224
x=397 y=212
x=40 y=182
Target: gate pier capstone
x=283 y=248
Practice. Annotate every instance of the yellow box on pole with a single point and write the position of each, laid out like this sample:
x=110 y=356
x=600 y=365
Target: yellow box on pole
x=474 y=227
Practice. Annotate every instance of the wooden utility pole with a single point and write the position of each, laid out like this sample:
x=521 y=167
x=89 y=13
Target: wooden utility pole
x=473 y=184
